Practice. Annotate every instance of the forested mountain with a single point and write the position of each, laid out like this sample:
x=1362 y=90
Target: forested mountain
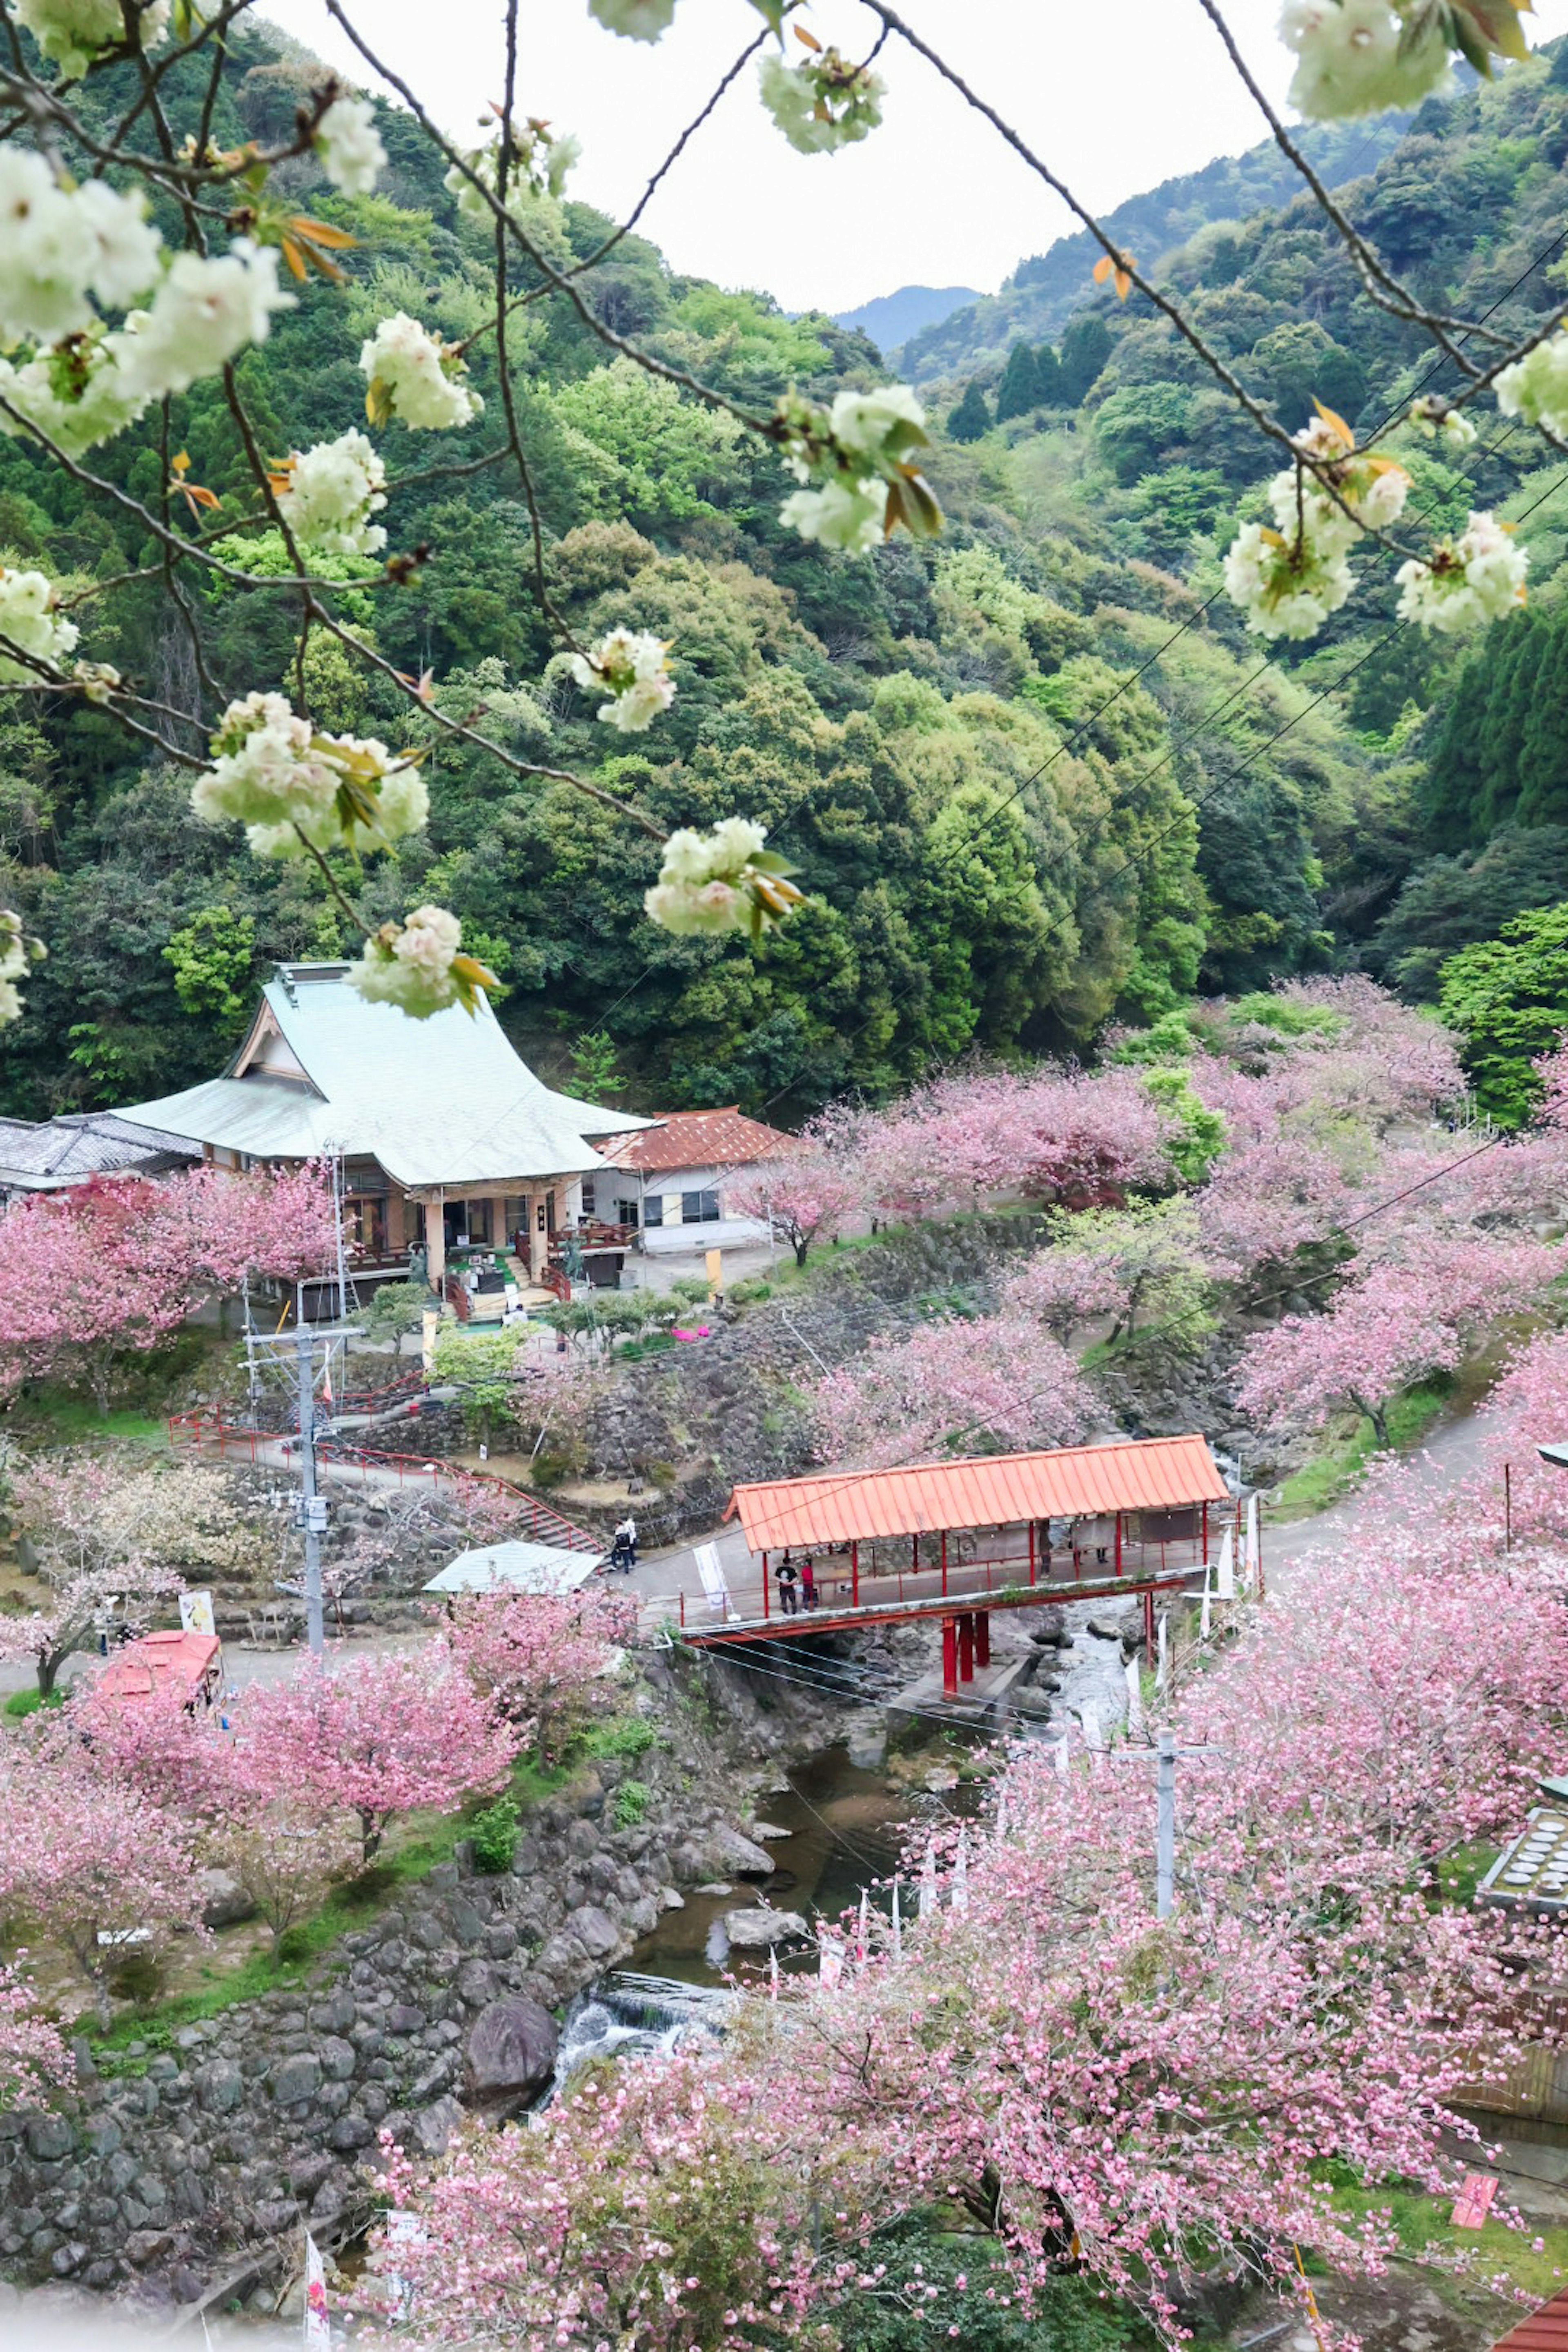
x=890 y=319
x=1033 y=776
x=1045 y=290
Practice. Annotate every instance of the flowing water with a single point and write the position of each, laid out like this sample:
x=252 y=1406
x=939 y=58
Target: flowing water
x=848 y=1826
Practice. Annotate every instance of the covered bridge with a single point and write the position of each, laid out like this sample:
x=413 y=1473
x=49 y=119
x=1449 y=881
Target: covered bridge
x=993 y=1531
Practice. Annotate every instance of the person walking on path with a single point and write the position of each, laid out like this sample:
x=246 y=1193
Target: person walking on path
x=789 y=1599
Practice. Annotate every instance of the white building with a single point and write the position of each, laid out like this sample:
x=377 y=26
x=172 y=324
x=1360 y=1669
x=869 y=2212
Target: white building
x=666 y=1184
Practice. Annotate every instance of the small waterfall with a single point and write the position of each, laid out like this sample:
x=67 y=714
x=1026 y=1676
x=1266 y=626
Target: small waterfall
x=624 y=2014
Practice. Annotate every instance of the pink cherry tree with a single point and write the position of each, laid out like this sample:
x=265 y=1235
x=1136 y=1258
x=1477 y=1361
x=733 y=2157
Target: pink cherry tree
x=1396 y=1322
x=541 y=1661
x=969 y=1387
x=33 y=2058
x=811 y=1193
x=87 y=1858
x=381 y=1736
x=110 y=1268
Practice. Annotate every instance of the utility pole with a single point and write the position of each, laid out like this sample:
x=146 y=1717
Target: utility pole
x=312 y=1508
x=1165 y=1831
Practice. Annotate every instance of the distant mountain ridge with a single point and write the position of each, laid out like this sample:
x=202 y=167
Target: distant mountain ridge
x=1045 y=290
x=891 y=319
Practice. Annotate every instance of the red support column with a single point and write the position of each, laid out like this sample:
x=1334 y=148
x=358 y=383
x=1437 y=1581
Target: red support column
x=1149 y=1625
x=764 y=1584
x=983 y=1637
x=1206 y=1529
x=1031 y=1551
x=915 y=1555
x=949 y=1657
x=1117 y=1543
x=944 y=1563
x=966 y=1648
x=855 y=1574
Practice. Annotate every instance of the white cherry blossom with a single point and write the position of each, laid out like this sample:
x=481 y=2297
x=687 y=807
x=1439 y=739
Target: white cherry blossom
x=850 y=516
x=416 y=965
x=207 y=310
x=58 y=246
x=31 y=625
x=639 y=20
x=416 y=377
x=1286 y=586
x=72 y=33
x=540 y=164
x=720 y=881
x=633 y=667
x=822 y=104
x=18 y=949
x=1478 y=577
x=1536 y=387
x=1350 y=59
x=349 y=146
x=331 y=491
x=78 y=394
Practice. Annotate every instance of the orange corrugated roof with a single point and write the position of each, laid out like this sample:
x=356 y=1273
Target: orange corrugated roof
x=698 y=1139
x=1545 y=2330
x=1147 y=1474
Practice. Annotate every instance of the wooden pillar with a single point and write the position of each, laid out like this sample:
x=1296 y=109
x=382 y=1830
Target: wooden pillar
x=764 y=1584
x=855 y=1573
x=435 y=1243
x=983 y=1637
x=1031 y=1551
x=1149 y=1625
x=944 y=1563
x=1205 y=1528
x=966 y=1648
x=1117 y=1543
x=949 y=1657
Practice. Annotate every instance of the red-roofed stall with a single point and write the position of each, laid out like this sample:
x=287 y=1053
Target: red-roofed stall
x=158 y=1664
x=1545 y=2330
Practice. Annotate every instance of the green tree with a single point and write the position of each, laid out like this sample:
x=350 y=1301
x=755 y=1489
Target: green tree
x=1086 y=347
x=1450 y=902
x=1019 y=389
x=1049 y=390
x=212 y=958
x=971 y=419
x=596 y=1073
x=482 y=1366
x=1508 y=1000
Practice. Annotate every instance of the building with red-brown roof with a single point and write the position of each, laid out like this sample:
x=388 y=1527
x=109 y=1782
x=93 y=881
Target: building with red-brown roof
x=668 y=1181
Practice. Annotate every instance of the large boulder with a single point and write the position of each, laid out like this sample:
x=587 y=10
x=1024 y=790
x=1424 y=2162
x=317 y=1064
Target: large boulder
x=754 y=1930
x=225 y=1902
x=726 y=1852
x=510 y=2056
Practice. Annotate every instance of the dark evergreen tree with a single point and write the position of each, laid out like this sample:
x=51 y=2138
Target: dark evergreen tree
x=1086 y=347
x=1049 y=387
x=971 y=419
x=1018 y=390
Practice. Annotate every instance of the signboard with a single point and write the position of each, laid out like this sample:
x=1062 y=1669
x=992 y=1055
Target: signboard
x=1473 y=2202
x=196 y=1613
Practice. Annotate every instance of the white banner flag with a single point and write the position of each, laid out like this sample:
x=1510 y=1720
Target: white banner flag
x=318 y=2326
x=1224 y=1576
x=196 y=1613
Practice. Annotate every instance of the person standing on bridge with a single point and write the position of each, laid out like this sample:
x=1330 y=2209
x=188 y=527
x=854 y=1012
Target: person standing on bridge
x=808 y=1581
x=789 y=1599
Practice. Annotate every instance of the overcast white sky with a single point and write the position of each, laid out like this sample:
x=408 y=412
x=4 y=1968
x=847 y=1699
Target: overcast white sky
x=1115 y=94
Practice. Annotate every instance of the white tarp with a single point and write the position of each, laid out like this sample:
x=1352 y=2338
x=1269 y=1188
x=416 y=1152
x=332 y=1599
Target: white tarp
x=516 y=1568
x=1224 y=1575
x=318 y=2326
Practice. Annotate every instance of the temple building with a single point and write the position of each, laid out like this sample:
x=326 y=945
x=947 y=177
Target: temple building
x=449 y=1143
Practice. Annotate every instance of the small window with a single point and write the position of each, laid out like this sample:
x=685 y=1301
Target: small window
x=652 y=1210
x=699 y=1208
x=588 y=1196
